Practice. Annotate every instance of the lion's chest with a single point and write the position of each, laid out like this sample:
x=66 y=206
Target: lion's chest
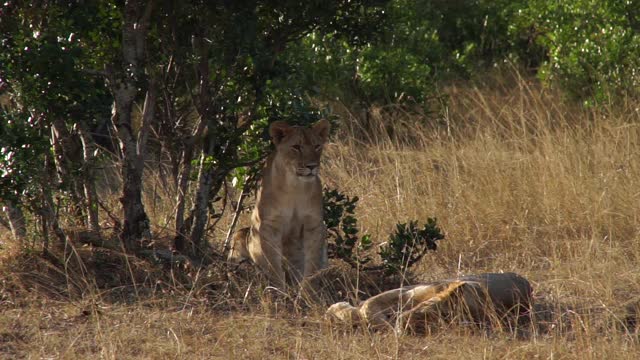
x=287 y=209
x=289 y=217
x=293 y=219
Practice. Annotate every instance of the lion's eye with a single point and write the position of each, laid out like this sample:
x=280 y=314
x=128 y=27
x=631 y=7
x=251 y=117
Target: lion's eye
x=297 y=148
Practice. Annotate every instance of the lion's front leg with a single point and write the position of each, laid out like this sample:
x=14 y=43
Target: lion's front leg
x=265 y=248
x=315 y=248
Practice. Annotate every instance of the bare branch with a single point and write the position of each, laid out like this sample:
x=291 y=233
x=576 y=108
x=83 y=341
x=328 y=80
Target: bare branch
x=148 y=116
x=248 y=182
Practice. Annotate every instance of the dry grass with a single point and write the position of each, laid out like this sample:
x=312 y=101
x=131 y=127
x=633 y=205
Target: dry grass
x=519 y=182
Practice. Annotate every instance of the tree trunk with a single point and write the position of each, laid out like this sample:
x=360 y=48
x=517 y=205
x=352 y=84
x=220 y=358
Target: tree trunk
x=49 y=213
x=16 y=221
x=204 y=104
x=66 y=158
x=200 y=210
x=210 y=180
x=88 y=179
x=183 y=186
x=136 y=223
x=136 y=227
x=124 y=79
x=181 y=197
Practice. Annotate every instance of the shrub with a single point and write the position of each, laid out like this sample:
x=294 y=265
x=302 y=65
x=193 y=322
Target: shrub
x=405 y=247
x=342 y=226
x=593 y=46
x=408 y=244
x=590 y=48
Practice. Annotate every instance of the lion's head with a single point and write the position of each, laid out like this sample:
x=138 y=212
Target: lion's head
x=343 y=312
x=299 y=148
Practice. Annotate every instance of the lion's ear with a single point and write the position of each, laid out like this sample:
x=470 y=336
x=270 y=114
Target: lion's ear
x=278 y=130
x=321 y=128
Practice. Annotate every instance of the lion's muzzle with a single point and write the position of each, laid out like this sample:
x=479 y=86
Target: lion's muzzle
x=308 y=171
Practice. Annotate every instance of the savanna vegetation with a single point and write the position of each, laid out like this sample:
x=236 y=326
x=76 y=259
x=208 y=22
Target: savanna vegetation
x=469 y=136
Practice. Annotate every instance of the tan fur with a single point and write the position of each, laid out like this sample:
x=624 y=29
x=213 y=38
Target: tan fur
x=239 y=250
x=287 y=234
x=475 y=298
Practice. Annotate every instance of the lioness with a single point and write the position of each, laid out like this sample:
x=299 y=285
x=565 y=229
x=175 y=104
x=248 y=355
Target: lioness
x=287 y=229
x=476 y=297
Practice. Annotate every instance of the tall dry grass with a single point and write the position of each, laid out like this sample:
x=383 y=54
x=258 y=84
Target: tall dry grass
x=519 y=181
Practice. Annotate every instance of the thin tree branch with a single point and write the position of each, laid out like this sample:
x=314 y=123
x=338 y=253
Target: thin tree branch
x=248 y=180
x=148 y=117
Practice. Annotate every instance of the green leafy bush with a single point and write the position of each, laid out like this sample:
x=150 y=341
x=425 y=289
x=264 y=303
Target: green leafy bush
x=22 y=152
x=408 y=244
x=590 y=48
x=416 y=44
x=593 y=46
x=405 y=247
x=342 y=226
